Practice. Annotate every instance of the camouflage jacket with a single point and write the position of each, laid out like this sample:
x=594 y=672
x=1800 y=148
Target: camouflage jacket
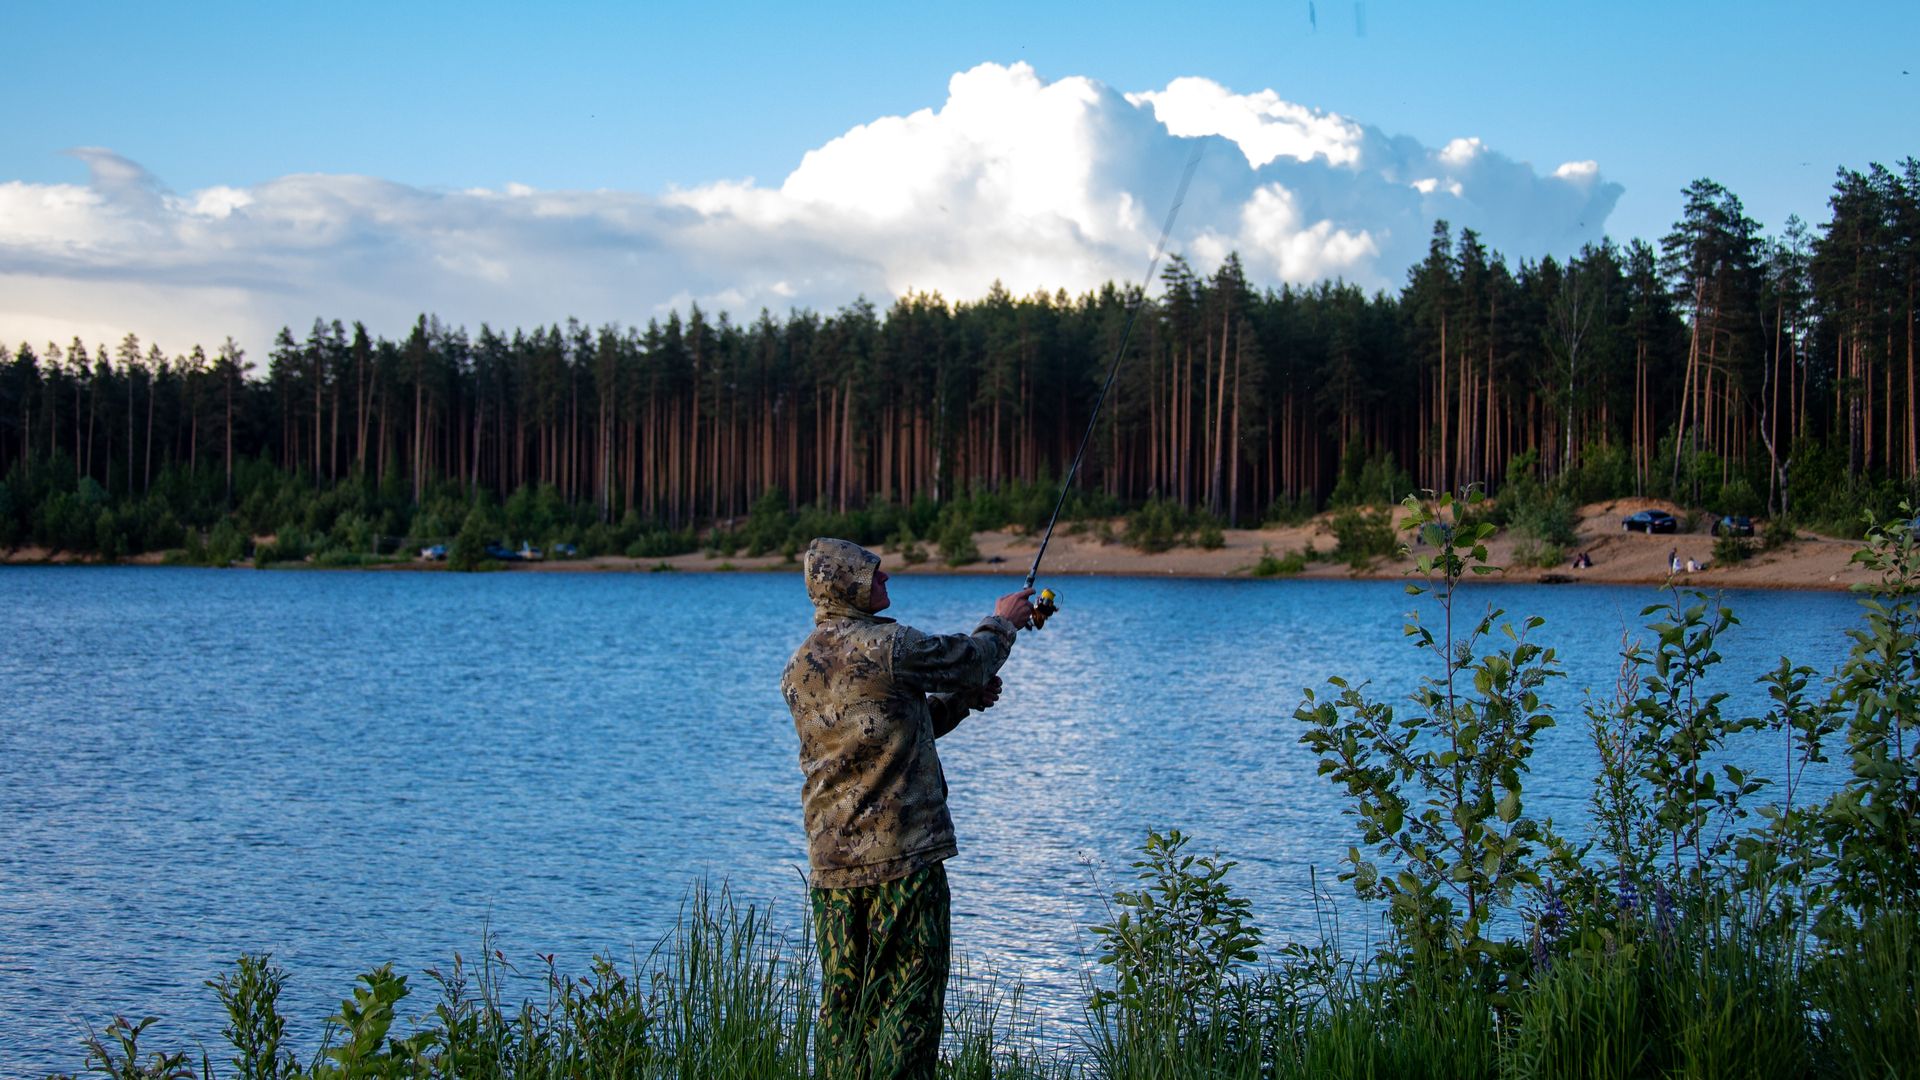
x=869 y=697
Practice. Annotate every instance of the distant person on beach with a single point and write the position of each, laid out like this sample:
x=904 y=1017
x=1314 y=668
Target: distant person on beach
x=869 y=697
x=1673 y=561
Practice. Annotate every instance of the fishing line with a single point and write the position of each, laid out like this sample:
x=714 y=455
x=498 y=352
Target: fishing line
x=1153 y=265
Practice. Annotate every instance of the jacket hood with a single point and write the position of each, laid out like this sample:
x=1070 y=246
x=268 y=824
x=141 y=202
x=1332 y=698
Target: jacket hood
x=840 y=580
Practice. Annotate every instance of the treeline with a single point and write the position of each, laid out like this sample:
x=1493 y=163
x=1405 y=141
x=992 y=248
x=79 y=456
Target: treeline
x=1722 y=367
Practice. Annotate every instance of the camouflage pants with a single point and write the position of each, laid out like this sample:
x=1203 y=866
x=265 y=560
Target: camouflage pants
x=883 y=963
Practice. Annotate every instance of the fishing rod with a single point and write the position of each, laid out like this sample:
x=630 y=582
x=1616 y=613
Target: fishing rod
x=1047 y=604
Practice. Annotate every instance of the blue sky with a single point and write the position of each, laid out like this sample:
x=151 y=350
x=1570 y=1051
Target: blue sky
x=648 y=99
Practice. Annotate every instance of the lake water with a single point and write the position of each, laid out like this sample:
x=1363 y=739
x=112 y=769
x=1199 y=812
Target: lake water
x=350 y=768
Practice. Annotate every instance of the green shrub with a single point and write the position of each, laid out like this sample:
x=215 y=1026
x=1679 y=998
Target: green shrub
x=1156 y=526
x=1271 y=565
x=1362 y=535
x=1731 y=550
x=1437 y=795
x=1368 y=479
x=956 y=540
x=469 y=548
x=1777 y=533
x=227 y=544
x=659 y=543
x=1290 y=510
x=1174 y=945
x=1546 y=556
x=1550 y=520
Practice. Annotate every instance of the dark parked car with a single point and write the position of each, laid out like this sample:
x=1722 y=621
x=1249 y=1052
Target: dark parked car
x=1650 y=521
x=1733 y=525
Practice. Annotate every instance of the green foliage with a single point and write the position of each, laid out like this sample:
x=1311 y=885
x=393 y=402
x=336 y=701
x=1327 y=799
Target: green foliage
x=1362 y=535
x=1271 y=565
x=362 y=1026
x=1161 y=524
x=1872 y=825
x=1776 y=533
x=1368 y=479
x=1290 y=510
x=1863 y=989
x=291 y=545
x=1602 y=472
x=1534 y=553
x=1157 y=525
x=115 y=1053
x=469 y=549
x=1174 y=943
x=1437 y=795
x=956 y=539
x=1697 y=1000
x=1550 y=520
x=907 y=545
x=1682 y=808
x=1737 y=496
x=255 y=1029
x=1731 y=550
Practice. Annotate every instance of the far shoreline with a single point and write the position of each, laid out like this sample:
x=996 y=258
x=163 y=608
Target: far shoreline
x=1807 y=562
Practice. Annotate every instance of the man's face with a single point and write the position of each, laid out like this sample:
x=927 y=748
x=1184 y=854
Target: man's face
x=877 y=599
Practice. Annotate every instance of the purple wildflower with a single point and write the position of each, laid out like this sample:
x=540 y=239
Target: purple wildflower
x=1554 y=917
x=1629 y=894
x=1662 y=910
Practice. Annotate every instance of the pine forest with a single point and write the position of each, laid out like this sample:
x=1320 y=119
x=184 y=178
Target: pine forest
x=1721 y=366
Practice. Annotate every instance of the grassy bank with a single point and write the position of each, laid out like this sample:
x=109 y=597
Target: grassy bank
x=1718 y=923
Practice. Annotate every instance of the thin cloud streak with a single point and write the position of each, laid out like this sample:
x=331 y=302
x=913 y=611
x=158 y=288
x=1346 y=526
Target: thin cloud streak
x=1054 y=185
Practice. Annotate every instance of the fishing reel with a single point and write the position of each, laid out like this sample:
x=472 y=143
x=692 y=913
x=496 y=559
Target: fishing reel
x=1045 y=606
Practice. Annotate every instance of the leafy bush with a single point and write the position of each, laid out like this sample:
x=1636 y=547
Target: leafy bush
x=1368 y=479
x=1271 y=565
x=658 y=543
x=1174 y=944
x=469 y=549
x=1290 y=510
x=1362 y=535
x=1530 y=552
x=1437 y=795
x=1156 y=526
x=1737 y=496
x=291 y=545
x=956 y=539
x=1731 y=550
x=1550 y=520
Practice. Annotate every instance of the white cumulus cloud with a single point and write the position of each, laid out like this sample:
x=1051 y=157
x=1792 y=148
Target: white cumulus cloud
x=1012 y=178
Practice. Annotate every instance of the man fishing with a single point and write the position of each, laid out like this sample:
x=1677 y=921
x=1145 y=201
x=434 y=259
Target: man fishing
x=869 y=697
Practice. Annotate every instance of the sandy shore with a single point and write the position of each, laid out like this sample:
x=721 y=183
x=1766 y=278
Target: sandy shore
x=1808 y=562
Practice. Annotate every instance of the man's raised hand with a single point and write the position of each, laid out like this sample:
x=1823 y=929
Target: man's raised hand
x=1014 y=607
